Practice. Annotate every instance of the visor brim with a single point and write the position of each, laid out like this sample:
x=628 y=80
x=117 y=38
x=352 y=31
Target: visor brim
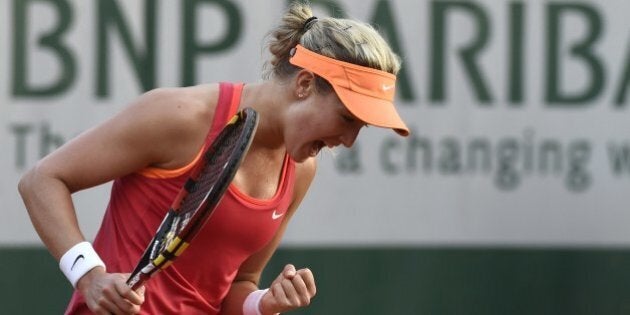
x=371 y=110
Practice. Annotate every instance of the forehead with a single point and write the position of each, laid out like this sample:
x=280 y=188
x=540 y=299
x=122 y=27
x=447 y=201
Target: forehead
x=333 y=102
x=342 y=109
x=332 y=99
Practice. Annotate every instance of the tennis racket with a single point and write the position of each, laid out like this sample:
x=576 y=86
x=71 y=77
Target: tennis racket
x=197 y=199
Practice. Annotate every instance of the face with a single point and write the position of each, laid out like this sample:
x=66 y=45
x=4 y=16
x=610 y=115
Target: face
x=317 y=121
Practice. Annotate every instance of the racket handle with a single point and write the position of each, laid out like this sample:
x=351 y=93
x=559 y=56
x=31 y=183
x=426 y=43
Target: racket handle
x=137 y=280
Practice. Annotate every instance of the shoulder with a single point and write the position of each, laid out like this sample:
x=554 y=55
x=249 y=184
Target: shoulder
x=306 y=170
x=180 y=102
x=174 y=121
x=176 y=113
x=304 y=175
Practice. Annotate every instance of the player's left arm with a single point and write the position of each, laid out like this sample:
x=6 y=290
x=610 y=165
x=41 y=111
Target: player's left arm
x=293 y=288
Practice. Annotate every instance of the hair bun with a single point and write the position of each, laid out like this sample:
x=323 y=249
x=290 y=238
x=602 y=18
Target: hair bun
x=309 y=23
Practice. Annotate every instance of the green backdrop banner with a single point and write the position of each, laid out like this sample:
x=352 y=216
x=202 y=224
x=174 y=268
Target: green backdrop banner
x=519 y=112
x=401 y=281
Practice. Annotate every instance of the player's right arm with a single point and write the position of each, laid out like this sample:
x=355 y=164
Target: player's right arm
x=163 y=128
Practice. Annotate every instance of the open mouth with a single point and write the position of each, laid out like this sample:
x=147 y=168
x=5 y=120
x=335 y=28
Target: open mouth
x=316 y=147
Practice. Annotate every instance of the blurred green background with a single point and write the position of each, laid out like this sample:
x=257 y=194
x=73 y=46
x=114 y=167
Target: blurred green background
x=396 y=281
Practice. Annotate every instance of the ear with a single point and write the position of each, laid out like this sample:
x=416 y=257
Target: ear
x=304 y=83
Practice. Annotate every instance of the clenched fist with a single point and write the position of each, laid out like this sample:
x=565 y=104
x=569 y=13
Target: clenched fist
x=290 y=290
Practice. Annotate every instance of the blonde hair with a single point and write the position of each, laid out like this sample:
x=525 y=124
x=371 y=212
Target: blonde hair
x=342 y=39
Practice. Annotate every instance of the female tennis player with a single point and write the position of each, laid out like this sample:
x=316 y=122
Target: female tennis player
x=327 y=78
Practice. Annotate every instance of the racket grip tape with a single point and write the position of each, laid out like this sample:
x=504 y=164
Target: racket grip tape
x=174 y=249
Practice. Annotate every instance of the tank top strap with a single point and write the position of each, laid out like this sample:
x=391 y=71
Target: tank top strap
x=227 y=106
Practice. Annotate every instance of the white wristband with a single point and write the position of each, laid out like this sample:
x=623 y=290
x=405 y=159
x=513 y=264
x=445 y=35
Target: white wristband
x=251 y=306
x=78 y=260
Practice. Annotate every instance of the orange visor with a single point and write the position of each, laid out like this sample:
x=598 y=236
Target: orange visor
x=366 y=92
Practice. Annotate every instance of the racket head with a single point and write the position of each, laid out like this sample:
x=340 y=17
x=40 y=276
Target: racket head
x=201 y=193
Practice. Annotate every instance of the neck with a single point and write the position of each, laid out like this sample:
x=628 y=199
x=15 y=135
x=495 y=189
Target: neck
x=268 y=99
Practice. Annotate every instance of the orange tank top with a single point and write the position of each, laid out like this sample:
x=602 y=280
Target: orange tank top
x=196 y=282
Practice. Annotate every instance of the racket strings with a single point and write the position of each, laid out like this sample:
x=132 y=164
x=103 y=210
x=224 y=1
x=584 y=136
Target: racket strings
x=218 y=160
x=200 y=194
x=190 y=204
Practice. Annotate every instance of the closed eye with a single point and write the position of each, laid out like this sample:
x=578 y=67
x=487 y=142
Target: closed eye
x=352 y=120
x=347 y=118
